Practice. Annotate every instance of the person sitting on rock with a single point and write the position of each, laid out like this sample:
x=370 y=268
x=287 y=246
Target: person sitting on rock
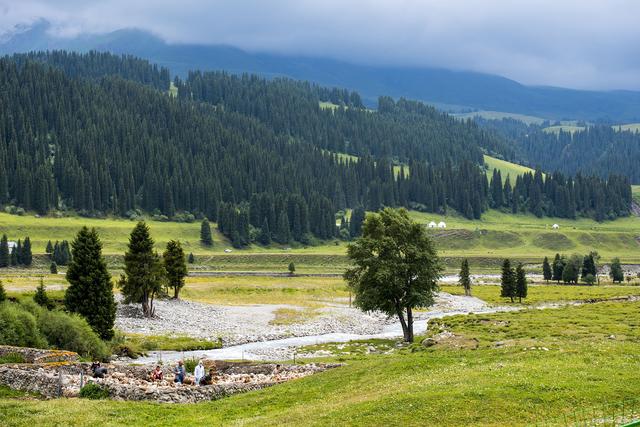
x=208 y=379
x=179 y=373
x=198 y=373
x=98 y=371
x=157 y=374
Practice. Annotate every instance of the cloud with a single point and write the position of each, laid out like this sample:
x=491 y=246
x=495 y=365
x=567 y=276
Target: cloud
x=572 y=43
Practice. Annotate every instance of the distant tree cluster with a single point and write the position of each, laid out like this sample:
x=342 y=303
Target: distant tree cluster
x=601 y=149
x=575 y=268
x=513 y=281
x=19 y=255
x=558 y=196
x=61 y=253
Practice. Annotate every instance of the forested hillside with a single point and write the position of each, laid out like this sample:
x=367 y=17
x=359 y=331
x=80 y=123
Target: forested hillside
x=601 y=149
x=93 y=134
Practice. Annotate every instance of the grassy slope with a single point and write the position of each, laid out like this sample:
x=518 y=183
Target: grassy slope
x=499 y=115
x=496 y=235
x=508 y=385
x=505 y=168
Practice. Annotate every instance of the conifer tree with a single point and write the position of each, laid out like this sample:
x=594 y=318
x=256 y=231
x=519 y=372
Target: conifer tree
x=90 y=291
x=192 y=258
x=616 y=273
x=41 y=298
x=5 y=256
x=558 y=268
x=357 y=218
x=465 y=279
x=49 y=248
x=16 y=254
x=144 y=274
x=53 y=267
x=264 y=238
x=205 y=233
x=571 y=270
x=175 y=266
x=547 y=272
x=521 y=283
x=292 y=268
x=26 y=255
x=508 y=281
x=588 y=266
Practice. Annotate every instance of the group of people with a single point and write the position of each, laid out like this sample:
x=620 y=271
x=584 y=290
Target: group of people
x=180 y=374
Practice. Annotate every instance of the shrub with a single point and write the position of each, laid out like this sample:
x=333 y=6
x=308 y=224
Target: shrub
x=12 y=358
x=18 y=327
x=190 y=365
x=3 y=295
x=71 y=332
x=124 y=347
x=589 y=279
x=94 y=391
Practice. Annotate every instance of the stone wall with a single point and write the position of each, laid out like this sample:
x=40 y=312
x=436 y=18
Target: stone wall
x=38 y=355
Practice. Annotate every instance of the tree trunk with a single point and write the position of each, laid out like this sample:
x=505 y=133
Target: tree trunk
x=409 y=335
x=176 y=291
x=403 y=323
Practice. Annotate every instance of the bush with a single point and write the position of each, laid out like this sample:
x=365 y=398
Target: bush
x=72 y=332
x=190 y=365
x=589 y=279
x=18 y=327
x=94 y=391
x=124 y=347
x=12 y=358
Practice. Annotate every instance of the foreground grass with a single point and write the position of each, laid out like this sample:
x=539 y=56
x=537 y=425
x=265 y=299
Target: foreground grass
x=509 y=385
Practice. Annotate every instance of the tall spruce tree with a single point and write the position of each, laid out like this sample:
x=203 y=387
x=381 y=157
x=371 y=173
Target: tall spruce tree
x=41 y=298
x=465 y=279
x=558 y=267
x=571 y=270
x=90 y=291
x=521 y=283
x=508 y=281
x=49 y=248
x=144 y=274
x=588 y=266
x=5 y=256
x=26 y=255
x=205 y=233
x=174 y=264
x=355 y=224
x=547 y=272
x=264 y=238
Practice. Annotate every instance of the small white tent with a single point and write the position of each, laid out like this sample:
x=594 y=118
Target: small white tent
x=555 y=226
x=12 y=246
x=442 y=224
x=432 y=224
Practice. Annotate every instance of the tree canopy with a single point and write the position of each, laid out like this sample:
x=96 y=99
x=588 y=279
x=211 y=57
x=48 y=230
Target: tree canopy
x=396 y=267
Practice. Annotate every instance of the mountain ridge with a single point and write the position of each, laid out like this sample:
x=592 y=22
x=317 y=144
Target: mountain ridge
x=447 y=89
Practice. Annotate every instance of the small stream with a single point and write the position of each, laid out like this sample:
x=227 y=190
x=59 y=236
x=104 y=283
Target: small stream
x=259 y=350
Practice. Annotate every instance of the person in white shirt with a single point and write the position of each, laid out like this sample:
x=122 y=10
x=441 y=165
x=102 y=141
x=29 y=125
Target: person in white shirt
x=199 y=372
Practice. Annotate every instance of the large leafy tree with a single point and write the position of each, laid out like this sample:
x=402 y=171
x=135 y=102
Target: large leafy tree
x=396 y=267
x=175 y=265
x=144 y=274
x=465 y=279
x=90 y=291
x=616 y=273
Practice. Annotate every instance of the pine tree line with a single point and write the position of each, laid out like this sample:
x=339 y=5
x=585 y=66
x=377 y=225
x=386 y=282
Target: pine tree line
x=19 y=255
x=559 y=196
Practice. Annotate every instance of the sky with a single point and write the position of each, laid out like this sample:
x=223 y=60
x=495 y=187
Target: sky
x=583 y=44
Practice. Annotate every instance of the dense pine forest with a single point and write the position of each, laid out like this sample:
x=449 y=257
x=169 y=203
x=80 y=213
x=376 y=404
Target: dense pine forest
x=599 y=149
x=100 y=134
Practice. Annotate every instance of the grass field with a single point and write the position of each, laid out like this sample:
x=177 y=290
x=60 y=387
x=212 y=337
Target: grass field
x=505 y=168
x=531 y=365
x=499 y=115
x=539 y=294
x=635 y=190
x=495 y=236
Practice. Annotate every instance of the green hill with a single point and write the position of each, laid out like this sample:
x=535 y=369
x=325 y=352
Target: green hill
x=505 y=168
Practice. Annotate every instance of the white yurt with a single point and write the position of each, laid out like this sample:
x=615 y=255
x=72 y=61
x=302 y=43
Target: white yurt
x=555 y=226
x=442 y=224
x=432 y=224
